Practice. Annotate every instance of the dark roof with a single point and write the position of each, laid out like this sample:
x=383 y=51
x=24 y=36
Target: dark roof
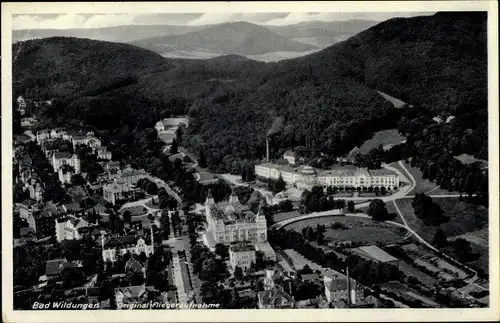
x=133 y=265
x=26 y=230
x=274 y=296
x=55 y=266
x=62 y=154
x=120 y=241
x=93 y=291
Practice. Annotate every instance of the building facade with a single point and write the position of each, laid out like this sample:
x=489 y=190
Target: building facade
x=343 y=177
x=340 y=287
x=229 y=221
x=126 y=244
x=64 y=158
x=118 y=191
x=68 y=228
x=241 y=255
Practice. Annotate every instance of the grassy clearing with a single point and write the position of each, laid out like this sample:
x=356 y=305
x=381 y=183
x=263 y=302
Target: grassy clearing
x=282 y=216
x=384 y=138
x=422 y=185
x=463 y=218
x=365 y=235
x=358 y=230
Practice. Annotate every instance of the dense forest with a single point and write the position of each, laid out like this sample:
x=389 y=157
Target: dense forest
x=327 y=100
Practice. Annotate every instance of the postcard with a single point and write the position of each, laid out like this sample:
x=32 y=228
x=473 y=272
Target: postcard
x=250 y=161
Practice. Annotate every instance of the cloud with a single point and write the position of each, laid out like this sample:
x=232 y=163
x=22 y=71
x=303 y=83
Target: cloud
x=70 y=21
x=296 y=17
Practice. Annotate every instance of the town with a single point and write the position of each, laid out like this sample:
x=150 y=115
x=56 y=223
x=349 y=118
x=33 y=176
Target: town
x=91 y=229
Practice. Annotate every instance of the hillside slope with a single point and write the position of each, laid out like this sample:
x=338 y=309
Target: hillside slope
x=229 y=38
x=329 y=99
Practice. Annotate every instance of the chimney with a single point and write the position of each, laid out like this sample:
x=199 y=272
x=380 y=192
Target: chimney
x=267 y=149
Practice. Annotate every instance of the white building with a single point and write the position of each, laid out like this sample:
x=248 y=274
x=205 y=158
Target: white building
x=68 y=228
x=230 y=221
x=28 y=122
x=341 y=287
x=42 y=135
x=103 y=153
x=241 y=255
x=131 y=176
x=126 y=244
x=58 y=133
x=88 y=140
x=291 y=157
x=170 y=124
x=65 y=158
x=117 y=191
x=341 y=177
x=65 y=174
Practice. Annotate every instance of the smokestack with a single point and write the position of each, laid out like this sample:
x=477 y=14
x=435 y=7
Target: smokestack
x=349 y=301
x=267 y=148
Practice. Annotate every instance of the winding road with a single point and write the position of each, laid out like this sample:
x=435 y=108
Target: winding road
x=402 y=193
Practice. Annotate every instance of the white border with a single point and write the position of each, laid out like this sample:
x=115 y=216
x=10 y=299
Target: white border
x=313 y=315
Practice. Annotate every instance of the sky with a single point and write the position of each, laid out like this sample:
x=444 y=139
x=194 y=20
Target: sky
x=70 y=21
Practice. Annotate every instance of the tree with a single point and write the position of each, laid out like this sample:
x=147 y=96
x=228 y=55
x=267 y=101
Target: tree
x=174 y=147
x=440 y=239
x=77 y=179
x=70 y=249
x=238 y=273
x=202 y=160
x=221 y=250
x=127 y=216
x=377 y=210
x=351 y=207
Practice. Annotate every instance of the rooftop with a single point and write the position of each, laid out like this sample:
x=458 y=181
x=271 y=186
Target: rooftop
x=375 y=253
x=62 y=154
x=240 y=247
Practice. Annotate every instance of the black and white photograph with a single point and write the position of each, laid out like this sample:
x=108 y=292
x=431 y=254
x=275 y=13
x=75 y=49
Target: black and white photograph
x=246 y=159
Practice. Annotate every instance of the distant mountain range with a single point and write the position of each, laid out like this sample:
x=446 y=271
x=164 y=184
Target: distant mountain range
x=242 y=38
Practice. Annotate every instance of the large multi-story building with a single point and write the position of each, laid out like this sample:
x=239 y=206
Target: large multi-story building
x=342 y=177
x=230 y=221
x=131 y=176
x=134 y=245
x=40 y=217
x=242 y=255
x=60 y=158
x=69 y=228
x=118 y=191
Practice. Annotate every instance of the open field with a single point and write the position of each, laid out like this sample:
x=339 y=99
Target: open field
x=366 y=235
x=463 y=217
x=409 y=270
x=422 y=185
x=408 y=293
x=384 y=138
x=365 y=231
x=395 y=101
x=469 y=159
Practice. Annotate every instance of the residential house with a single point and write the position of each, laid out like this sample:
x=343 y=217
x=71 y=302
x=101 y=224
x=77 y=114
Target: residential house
x=42 y=135
x=126 y=244
x=134 y=266
x=28 y=122
x=131 y=176
x=116 y=192
x=39 y=217
x=103 y=153
x=70 y=228
x=60 y=158
x=291 y=157
x=340 y=287
x=126 y=297
x=241 y=255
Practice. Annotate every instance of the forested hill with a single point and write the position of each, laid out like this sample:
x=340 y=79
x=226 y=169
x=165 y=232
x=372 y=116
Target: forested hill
x=328 y=100
x=437 y=62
